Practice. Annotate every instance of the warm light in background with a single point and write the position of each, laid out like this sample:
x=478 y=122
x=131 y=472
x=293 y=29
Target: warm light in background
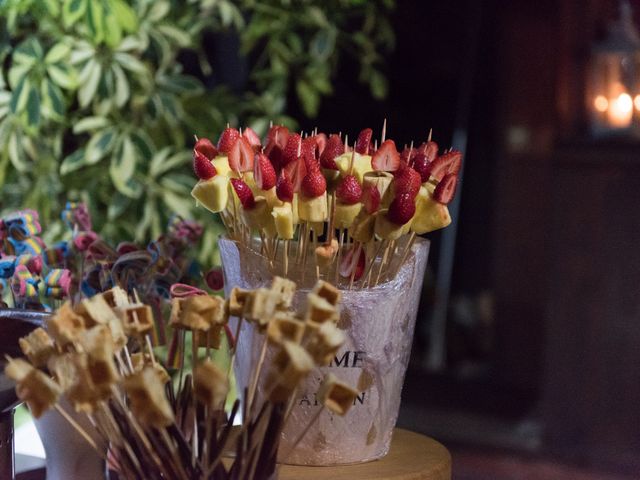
x=636 y=102
x=620 y=111
x=601 y=103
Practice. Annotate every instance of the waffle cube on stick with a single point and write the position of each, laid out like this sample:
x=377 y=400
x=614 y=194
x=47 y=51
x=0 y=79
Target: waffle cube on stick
x=33 y=386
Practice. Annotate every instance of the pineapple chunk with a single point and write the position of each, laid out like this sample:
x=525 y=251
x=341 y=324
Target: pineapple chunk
x=213 y=194
x=313 y=209
x=361 y=164
x=346 y=214
x=430 y=215
x=283 y=217
x=363 y=227
x=382 y=181
x=388 y=230
x=259 y=217
x=222 y=165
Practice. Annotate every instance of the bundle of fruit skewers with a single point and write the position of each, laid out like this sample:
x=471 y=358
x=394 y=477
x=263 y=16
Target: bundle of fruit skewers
x=97 y=355
x=353 y=212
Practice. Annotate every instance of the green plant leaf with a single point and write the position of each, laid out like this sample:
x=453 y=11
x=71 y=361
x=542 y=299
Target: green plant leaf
x=6 y=126
x=20 y=96
x=17 y=72
x=95 y=20
x=57 y=53
x=158 y=11
x=130 y=62
x=100 y=144
x=162 y=163
x=129 y=43
x=144 y=144
x=72 y=10
x=16 y=153
x=112 y=29
x=117 y=206
x=28 y=52
x=309 y=97
x=323 y=44
x=88 y=124
x=73 y=162
x=123 y=162
x=378 y=84
x=53 y=103
x=122 y=90
x=125 y=15
x=88 y=87
x=33 y=108
x=180 y=204
x=181 y=84
x=180 y=37
x=63 y=75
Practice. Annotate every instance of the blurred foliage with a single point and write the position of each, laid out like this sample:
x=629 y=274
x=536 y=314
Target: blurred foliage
x=96 y=106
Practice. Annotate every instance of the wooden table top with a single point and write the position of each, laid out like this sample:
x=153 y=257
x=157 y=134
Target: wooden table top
x=412 y=457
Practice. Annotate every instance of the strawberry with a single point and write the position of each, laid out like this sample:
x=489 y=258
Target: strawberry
x=253 y=138
x=449 y=162
x=202 y=166
x=402 y=209
x=407 y=155
x=421 y=165
x=244 y=193
x=429 y=150
x=353 y=263
x=263 y=172
x=371 y=198
x=292 y=149
x=309 y=147
x=214 y=279
x=446 y=188
x=227 y=138
x=407 y=180
x=296 y=171
x=386 y=158
x=363 y=142
x=276 y=141
x=333 y=149
x=241 y=156
x=205 y=147
x=313 y=184
x=349 y=190
x=284 y=188
x=321 y=143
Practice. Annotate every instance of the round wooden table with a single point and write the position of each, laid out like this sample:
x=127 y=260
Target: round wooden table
x=412 y=457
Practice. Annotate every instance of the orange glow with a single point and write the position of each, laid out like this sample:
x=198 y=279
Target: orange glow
x=636 y=102
x=620 y=111
x=601 y=103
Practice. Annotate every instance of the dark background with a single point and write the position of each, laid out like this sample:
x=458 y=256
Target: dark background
x=543 y=325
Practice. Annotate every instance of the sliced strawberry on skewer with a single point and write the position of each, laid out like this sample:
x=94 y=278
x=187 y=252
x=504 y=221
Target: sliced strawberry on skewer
x=407 y=155
x=371 y=198
x=333 y=149
x=313 y=184
x=241 y=156
x=349 y=190
x=402 y=209
x=353 y=263
x=429 y=150
x=446 y=189
x=296 y=171
x=407 y=180
x=321 y=143
x=202 y=166
x=284 y=188
x=276 y=141
x=253 y=138
x=227 y=139
x=309 y=148
x=386 y=158
x=292 y=149
x=364 y=141
x=263 y=172
x=244 y=193
x=449 y=162
x=205 y=147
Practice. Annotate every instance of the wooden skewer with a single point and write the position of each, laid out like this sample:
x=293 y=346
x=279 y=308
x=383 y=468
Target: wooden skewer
x=254 y=383
x=80 y=430
x=383 y=261
x=384 y=130
x=304 y=431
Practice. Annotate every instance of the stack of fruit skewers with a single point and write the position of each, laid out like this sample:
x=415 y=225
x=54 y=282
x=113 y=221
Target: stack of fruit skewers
x=355 y=211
